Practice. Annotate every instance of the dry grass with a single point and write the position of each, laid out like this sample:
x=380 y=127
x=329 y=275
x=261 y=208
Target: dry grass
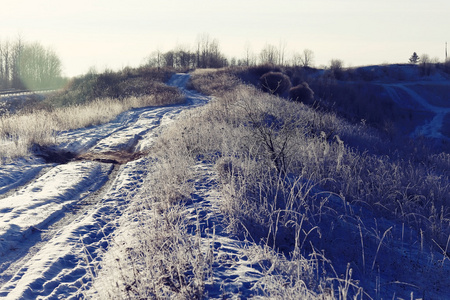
x=276 y=160
x=277 y=135
x=155 y=256
x=18 y=132
x=155 y=259
x=290 y=183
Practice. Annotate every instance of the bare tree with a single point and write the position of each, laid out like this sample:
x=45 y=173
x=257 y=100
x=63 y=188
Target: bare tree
x=269 y=55
x=427 y=65
x=156 y=59
x=203 y=42
x=307 y=58
x=184 y=58
x=248 y=53
x=169 y=59
x=31 y=66
x=37 y=67
x=208 y=53
x=159 y=59
x=1 y=67
x=281 y=52
x=337 y=68
x=16 y=64
x=304 y=59
x=5 y=52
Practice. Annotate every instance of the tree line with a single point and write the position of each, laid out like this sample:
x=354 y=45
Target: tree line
x=28 y=66
x=207 y=54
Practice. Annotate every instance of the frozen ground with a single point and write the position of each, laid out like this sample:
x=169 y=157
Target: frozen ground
x=51 y=213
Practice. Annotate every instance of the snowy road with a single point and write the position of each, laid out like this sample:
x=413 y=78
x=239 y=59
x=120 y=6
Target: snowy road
x=405 y=96
x=55 y=216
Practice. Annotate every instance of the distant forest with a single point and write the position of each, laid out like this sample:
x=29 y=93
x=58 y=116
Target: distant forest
x=28 y=66
x=207 y=54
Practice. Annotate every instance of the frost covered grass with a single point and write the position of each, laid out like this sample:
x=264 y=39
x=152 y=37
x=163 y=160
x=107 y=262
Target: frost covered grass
x=18 y=132
x=155 y=256
x=293 y=173
x=156 y=259
x=327 y=209
x=163 y=252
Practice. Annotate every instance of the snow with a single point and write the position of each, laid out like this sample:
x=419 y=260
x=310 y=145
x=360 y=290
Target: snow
x=18 y=173
x=52 y=215
x=37 y=204
x=405 y=96
x=232 y=274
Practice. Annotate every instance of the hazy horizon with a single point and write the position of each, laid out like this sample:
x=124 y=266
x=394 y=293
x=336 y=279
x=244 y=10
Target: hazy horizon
x=112 y=34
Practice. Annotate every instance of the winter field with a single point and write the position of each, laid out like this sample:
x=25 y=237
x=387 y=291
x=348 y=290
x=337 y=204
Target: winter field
x=238 y=194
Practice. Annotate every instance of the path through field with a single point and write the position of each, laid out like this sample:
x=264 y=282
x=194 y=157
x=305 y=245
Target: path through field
x=52 y=214
x=406 y=96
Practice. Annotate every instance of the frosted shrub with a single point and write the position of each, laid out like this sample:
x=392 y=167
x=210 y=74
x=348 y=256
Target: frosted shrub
x=275 y=83
x=302 y=93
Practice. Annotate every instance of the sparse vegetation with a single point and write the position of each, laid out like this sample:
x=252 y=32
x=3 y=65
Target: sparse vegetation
x=117 y=85
x=336 y=68
x=288 y=183
x=88 y=101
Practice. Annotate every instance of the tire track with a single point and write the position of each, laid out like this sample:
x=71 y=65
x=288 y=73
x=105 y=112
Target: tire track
x=51 y=260
x=433 y=128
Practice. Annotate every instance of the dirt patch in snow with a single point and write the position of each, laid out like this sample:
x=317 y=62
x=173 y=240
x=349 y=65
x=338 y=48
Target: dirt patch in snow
x=52 y=154
x=114 y=157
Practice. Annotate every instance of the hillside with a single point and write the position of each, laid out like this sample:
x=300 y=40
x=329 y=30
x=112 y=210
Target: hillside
x=238 y=194
x=399 y=100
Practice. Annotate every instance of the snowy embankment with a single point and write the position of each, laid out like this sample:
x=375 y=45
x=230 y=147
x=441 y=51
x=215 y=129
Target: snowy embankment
x=406 y=95
x=53 y=214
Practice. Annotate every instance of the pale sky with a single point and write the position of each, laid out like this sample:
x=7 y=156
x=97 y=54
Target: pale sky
x=115 y=34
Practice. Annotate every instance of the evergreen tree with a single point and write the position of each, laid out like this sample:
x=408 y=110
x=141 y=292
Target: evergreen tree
x=414 y=59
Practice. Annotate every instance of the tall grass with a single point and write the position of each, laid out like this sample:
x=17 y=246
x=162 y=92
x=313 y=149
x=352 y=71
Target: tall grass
x=160 y=256
x=155 y=259
x=286 y=167
x=18 y=132
x=155 y=256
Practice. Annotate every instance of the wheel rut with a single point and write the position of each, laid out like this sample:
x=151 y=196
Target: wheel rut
x=70 y=202
x=15 y=259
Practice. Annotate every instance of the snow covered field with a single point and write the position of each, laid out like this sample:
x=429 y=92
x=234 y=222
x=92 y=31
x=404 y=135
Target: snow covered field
x=51 y=213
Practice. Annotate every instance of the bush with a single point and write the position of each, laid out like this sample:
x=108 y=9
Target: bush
x=302 y=93
x=275 y=83
x=337 y=68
